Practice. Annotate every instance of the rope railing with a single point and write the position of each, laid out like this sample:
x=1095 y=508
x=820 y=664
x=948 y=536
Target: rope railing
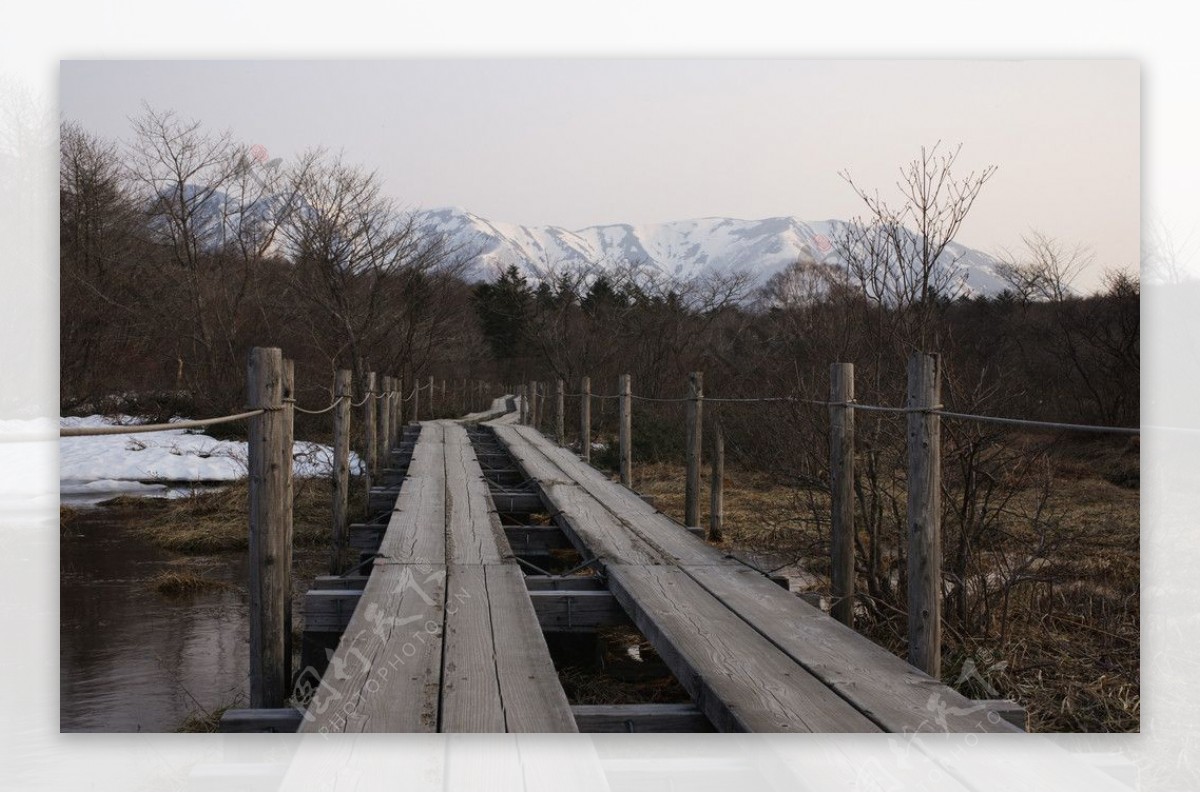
x=332 y=405
x=131 y=429
x=936 y=410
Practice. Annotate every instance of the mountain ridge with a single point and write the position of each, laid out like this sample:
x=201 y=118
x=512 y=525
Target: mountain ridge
x=681 y=248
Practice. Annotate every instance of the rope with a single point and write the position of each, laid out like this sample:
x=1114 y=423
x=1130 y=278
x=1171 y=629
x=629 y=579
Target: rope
x=363 y=401
x=1047 y=425
x=131 y=429
x=335 y=403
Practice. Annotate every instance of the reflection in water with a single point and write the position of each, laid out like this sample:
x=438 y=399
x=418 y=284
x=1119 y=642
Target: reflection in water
x=132 y=660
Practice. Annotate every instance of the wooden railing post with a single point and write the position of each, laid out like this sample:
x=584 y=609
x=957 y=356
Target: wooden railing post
x=385 y=422
x=369 y=432
x=560 y=433
x=429 y=410
x=343 y=391
x=716 y=495
x=416 y=400
x=270 y=518
x=400 y=408
x=924 y=514
x=626 y=430
x=585 y=419
x=523 y=402
x=695 y=418
x=841 y=489
x=533 y=403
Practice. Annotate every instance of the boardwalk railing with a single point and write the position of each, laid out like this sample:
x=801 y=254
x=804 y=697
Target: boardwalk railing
x=923 y=410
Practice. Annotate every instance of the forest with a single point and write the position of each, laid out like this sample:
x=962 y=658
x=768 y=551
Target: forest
x=181 y=249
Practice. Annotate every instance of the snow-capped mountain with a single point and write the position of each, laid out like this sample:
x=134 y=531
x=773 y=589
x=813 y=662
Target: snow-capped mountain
x=683 y=249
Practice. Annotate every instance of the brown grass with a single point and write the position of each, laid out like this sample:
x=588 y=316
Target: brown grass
x=181 y=583
x=216 y=521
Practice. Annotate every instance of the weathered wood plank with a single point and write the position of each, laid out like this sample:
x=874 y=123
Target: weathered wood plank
x=649 y=717
x=893 y=694
x=385 y=675
x=471 y=699
x=738 y=679
x=534 y=700
x=579 y=514
x=473 y=530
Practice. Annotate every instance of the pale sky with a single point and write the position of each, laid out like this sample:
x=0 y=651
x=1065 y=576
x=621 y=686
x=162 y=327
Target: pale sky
x=576 y=143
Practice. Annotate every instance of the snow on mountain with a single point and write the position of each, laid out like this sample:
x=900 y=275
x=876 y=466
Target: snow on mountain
x=682 y=249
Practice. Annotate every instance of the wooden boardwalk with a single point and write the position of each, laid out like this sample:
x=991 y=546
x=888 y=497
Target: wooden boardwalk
x=447 y=632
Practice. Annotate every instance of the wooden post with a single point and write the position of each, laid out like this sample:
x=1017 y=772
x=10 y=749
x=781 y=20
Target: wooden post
x=270 y=550
x=369 y=433
x=289 y=499
x=924 y=515
x=695 y=418
x=429 y=410
x=343 y=391
x=533 y=403
x=385 y=422
x=841 y=489
x=716 y=495
x=416 y=400
x=585 y=419
x=523 y=401
x=443 y=402
x=626 y=430
x=399 y=409
x=560 y=433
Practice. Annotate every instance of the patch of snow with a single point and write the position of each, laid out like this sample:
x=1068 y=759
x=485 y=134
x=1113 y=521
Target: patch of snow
x=95 y=462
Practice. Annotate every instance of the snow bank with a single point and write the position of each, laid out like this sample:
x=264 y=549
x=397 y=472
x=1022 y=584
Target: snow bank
x=97 y=462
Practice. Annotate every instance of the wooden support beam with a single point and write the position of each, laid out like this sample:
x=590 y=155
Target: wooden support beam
x=841 y=482
x=1008 y=710
x=571 y=582
x=260 y=720
x=695 y=421
x=536 y=540
x=384 y=410
x=517 y=501
x=368 y=413
x=650 y=717
x=329 y=610
x=340 y=582
x=579 y=611
x=924 y=515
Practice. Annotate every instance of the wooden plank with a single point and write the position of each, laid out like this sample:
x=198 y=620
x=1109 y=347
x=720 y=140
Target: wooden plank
x=669 y=541
x=738 y=679
x=358 y=582
x=471 y=699
x=649 y=717
x=473 y=531
x=587 y=521
x=421 y=505
x=534 y=700
x=896 y=696
x=578 y=611
x=385 y=675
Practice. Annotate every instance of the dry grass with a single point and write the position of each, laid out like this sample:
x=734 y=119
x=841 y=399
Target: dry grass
x=182 y=583
x=216 y=521
x=1070 y=650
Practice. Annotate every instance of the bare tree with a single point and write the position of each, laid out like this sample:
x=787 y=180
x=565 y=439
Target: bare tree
x=1045 y=269
x=897 y=252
